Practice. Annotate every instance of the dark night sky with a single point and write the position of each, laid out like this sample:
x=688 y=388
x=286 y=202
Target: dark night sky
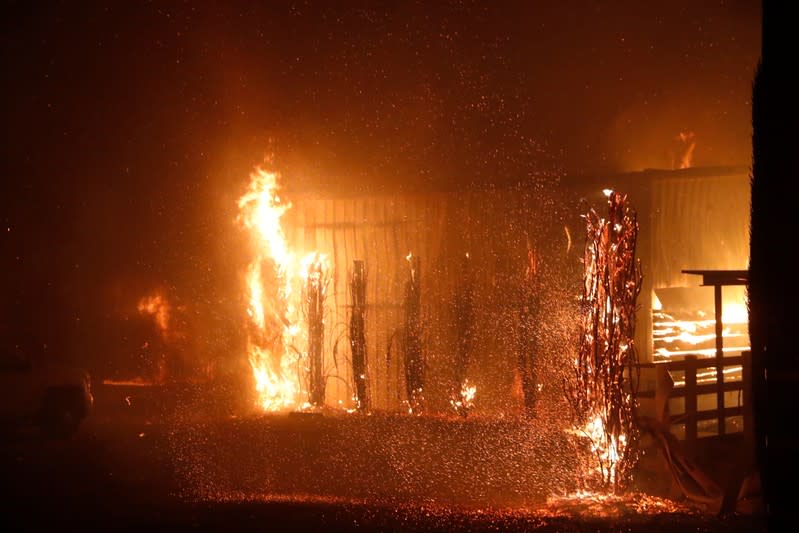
x=131 y=127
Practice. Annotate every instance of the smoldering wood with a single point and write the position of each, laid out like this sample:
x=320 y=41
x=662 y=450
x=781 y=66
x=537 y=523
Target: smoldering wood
x=602 y=386
x=357 y=334
x=412 y=341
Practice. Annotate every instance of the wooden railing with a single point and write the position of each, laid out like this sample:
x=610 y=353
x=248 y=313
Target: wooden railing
x=665 y=390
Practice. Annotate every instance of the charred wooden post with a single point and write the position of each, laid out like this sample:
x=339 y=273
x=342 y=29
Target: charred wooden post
x=602 y=389
x=412 y=339
x=462 y=394
x=528 y=337
x=357 y=334
x=315 y=294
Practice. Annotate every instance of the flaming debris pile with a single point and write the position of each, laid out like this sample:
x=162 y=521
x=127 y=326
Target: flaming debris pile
x=601 y=390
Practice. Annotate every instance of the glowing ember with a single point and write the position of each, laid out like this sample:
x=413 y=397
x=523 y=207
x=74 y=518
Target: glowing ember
x=464 y=401
x=596 y=504
x=274 y=284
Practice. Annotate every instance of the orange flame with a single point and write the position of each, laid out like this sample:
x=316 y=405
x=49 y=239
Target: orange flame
x=687 y=140
x=157 y=306
x=272 y=298
x=274 y=280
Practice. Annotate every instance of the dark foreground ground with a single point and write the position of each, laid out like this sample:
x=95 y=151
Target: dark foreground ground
x=127 y=471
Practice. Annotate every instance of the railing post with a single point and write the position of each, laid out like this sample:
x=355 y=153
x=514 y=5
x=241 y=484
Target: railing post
x=719 y=359
x=690 y=404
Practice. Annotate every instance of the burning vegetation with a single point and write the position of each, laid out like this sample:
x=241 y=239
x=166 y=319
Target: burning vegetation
x=601 y=391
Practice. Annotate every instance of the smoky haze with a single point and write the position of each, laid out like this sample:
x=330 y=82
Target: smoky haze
x=130 y=129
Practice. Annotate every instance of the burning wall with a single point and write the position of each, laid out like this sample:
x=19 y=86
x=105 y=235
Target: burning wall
x=693 y=218
x=494 y=227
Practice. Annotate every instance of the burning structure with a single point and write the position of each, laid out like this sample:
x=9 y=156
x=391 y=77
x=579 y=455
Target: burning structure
x=489 y=331
x=689 y=218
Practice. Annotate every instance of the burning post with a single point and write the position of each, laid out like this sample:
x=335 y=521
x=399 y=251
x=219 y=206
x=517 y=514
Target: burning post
x=358 y=335
x=315 y=294
x=462 y=395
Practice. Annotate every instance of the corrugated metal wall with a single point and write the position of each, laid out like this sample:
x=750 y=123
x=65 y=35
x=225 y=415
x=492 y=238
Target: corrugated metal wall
x=699 y=223
x=440 y=228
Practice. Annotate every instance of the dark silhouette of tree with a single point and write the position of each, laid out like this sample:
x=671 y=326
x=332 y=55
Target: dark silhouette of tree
x=773 y=287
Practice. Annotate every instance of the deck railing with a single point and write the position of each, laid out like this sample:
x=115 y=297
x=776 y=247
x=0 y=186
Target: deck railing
x=691 y=389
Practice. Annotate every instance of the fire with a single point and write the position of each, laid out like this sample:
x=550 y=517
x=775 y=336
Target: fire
x=274 y=283
x=735 y=313
x=687 y=140
x=157 y=306
x=675 y=337
x=464 y=401
x=606 y=447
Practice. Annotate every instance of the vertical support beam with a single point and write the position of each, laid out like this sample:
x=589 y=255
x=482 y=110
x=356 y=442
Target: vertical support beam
x=690 y=405
x=719 y=359
x=315 y=299
x=357 y=334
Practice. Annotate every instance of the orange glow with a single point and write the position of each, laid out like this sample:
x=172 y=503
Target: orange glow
x=688 y=142
x=157 y=306
x=697 y=337
x=276 y=344
x=735 y=313
x=605 y=447
x=271 y=300
x=465 y=400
